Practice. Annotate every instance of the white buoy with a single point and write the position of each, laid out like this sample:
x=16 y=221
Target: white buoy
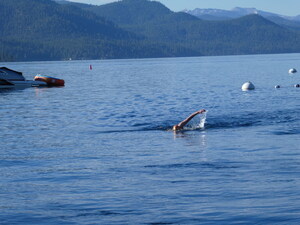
x=277 y=86
x=248 y=86
x=293 y=70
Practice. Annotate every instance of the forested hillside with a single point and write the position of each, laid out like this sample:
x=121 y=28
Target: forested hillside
x=250 y=34
x=47 y=30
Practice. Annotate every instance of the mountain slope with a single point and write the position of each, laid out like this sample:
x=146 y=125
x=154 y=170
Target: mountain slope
x=251 y=34
x=290 y=24
x=131 y=11
x=44 y=18
x=46 y=30
x=247 y=35
x=218 y=14
x=231 y=14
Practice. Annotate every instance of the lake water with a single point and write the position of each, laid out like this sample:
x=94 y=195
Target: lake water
x=100 y=150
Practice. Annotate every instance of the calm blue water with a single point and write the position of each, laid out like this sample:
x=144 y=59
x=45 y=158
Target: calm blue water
x=99 y=151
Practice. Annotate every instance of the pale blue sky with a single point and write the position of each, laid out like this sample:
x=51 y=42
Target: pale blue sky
x=284 y=7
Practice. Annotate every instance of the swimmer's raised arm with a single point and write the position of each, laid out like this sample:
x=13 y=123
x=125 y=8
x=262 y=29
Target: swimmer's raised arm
x=184 y=122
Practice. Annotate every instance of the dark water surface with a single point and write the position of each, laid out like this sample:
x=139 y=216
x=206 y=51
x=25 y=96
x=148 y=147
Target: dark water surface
x=99 y=151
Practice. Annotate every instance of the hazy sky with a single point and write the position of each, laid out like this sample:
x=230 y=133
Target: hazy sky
x=284 y=7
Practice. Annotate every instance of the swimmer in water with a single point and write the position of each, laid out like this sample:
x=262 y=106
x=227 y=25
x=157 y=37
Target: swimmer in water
x=184 y=122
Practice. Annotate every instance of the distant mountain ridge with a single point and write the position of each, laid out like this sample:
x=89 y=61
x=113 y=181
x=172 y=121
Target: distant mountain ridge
x=291 y=22
x=59 y=29
x=235 y=13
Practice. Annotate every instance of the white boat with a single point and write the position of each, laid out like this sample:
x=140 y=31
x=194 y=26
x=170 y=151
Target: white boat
x=14 y=79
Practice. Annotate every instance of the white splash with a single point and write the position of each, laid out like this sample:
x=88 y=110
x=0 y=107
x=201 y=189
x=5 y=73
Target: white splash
x=202 y=120
x=198 y=122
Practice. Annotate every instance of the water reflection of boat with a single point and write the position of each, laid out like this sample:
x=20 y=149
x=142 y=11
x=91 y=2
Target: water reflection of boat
x=14 y=79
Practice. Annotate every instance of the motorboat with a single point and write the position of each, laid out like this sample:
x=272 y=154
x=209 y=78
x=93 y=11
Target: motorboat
x=50 y=81
x=13 y=79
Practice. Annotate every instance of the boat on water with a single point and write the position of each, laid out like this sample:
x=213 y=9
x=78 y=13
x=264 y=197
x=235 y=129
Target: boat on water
x=13 y=79
x=50 y=81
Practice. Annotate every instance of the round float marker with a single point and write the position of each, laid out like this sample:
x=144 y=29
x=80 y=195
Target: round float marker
x=248 y=86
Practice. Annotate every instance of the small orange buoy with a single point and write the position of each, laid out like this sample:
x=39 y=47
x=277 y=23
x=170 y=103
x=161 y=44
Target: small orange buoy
x=51 y=81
